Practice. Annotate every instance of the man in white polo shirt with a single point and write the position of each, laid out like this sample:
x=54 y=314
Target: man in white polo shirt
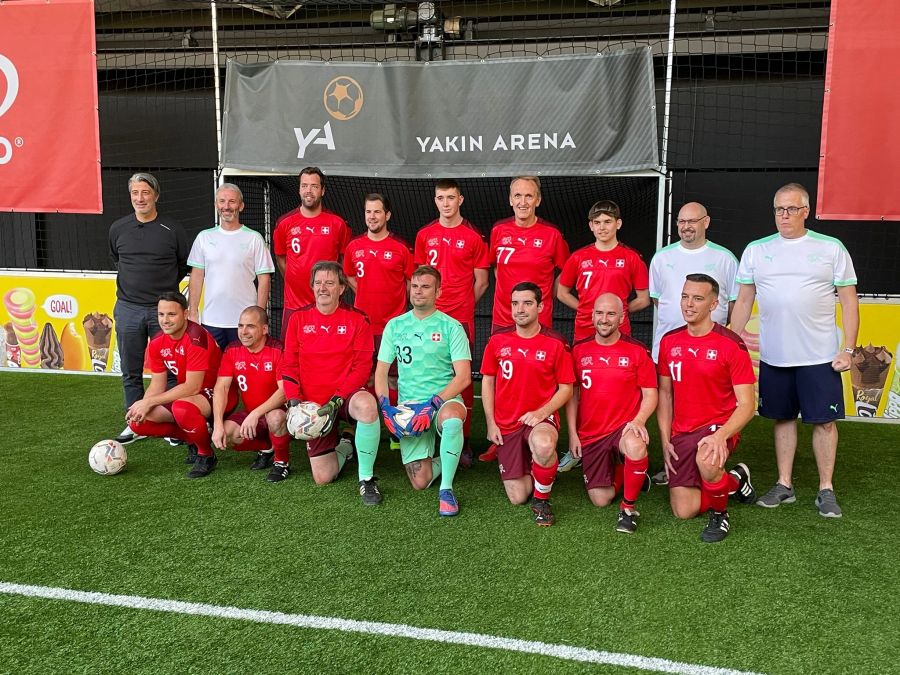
x=227 y=260
x=693 y=254
x=793 y=275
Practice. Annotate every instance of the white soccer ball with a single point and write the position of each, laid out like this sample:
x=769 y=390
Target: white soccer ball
x=108 y=458
x=303 y=423
x=403 y=418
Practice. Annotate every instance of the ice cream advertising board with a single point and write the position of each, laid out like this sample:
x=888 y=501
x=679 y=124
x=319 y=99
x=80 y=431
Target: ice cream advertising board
x=58 y=321
x=872 y=387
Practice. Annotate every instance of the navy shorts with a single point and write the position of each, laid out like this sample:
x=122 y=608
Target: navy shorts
x=815 y=392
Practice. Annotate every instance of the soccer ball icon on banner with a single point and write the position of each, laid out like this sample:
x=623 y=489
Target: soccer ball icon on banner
x=303 y=422
x=343 y=98
x=108 y=458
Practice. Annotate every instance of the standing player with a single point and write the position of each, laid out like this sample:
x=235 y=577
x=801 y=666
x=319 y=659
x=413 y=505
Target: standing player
x=435 y=366
x=612 y=367
x=378 y=265
x=190 y=353
x=705 y=398
x=327 y=360
x=525 y=248
x=302 y=238
x=457 y=249
x=794 y=274
x=528 y=376
x=606 y=266
x=254 y=363
x=232 y=265
x=694 y=253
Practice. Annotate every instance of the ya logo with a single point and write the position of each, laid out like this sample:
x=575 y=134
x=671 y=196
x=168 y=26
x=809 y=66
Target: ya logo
x=11 y=75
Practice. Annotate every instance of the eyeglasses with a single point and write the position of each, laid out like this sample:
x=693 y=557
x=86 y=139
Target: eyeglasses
x=690 y=221
x=790 y=210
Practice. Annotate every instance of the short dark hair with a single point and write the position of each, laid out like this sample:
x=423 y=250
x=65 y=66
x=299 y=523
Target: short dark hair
x=427 y=270
x=529 y=286
x=328 y=266
x=261 y=314
x=310 y=170
x=704 y=279
x=605 y=207
x=447 y=184
x=378 y=197
x=173 y=296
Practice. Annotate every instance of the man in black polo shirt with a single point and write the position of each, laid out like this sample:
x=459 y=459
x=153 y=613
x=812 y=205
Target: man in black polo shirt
x=150 y=253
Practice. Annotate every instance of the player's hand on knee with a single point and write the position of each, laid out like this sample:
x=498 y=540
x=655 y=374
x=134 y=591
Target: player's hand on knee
x=248 y=426
x=388 y=412
x=424 y=413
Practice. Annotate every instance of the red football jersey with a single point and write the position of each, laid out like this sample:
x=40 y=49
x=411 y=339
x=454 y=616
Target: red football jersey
x=456 y=252
x=591 y=272
x=527 y=372
x=610 y=379
x=525 y=254
x=704 y=371
x=196 y=350
x=382 y=269
x=326 y=355
x=304 y=242
x=255 y=374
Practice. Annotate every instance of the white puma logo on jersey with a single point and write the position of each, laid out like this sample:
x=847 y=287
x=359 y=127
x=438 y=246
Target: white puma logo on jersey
x=603 y=262
x=694 y=350
x=311 y=230
x=325 y=328
x=523 y=352
x=605 y=359
x=446 y=240
x=522 y=240
x=255 y=366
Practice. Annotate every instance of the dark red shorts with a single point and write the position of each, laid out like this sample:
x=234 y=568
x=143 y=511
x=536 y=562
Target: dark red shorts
x=514 y=456
x=687 y=473
x=599 y=459
x=325 y=444
x=262 y=428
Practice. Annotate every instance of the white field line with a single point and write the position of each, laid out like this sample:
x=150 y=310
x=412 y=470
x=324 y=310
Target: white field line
x=369 y=627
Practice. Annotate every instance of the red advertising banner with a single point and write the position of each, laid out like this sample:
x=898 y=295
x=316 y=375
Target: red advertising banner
x=858 y=168
x=49 y=133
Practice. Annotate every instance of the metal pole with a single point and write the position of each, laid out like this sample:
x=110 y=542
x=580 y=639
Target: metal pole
x=218 y=88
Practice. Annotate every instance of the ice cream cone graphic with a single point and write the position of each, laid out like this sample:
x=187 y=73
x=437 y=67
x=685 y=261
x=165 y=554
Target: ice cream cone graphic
x=869 y=368
x=20 y=306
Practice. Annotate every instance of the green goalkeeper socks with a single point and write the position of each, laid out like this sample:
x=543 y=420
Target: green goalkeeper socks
x=368 y=434
x=451 y=447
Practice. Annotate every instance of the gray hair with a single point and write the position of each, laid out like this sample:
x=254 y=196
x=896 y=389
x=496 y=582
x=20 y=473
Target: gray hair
x=147 y=178
x=794 y=187
x=234 y=188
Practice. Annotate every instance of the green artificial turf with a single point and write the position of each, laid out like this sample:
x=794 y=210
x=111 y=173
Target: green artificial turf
x=787 y=592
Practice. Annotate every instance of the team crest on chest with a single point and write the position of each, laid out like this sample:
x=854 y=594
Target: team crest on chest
x=309 y=328
x=712 y=354
x=587 y=360
x=506 y=241
x=675 y=351
x=620 y=262
x=326 y=229
x=506 y=351
x=342 y=330
x=359 y=254
x=388 y=255
x=623 y=362
x=267 y=366
x=585 y=264
x=435 y=337
x=434 y=241
x=240 y=365
x=165 y=352
x=540 y=355
x=537 y=243
x=460 y=243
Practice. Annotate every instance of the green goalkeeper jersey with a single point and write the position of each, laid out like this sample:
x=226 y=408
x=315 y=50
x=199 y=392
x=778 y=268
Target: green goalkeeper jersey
x=425 y=350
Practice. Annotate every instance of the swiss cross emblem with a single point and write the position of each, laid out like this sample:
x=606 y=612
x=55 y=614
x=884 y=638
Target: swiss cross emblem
x=620 y=262
x=267 y=366
x=587 y=360
x=326 y=229
x=435 y=337
x=342 y=330
x=675 y=351
x=388 y=255
x=623 y=362
x=540 y=355
x=309 y=328
x=711 y=354
x=537 y=243
x=460 y=243
x=506 y=351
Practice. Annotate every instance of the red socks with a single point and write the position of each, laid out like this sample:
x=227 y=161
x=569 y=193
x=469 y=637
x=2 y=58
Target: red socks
x=635 y=472
x=193 y=425
x=157 y=429
x=715 y=495
x=282 y=446
x=543 y=479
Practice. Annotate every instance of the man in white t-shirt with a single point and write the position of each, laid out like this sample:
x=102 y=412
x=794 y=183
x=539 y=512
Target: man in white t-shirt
x=226 y=260
x=693 y=254
x=793 y=276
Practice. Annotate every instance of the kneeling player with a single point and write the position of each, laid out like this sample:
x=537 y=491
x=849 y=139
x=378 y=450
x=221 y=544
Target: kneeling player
x=190 y=353
x=705 y=398
x=527 y=378
x=434 y=367
x=327 y=360
x=255 y=364
x=612 y=439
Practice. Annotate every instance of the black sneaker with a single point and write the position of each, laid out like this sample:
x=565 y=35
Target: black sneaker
x=369 y=492
x=203 y=466
x=717 y=527
x=174 y=442
x=627 y=521
x=543 y=512
x=128 y=436
x=192 y=454
x=745 y=493
x=660 y=478
x=278 y=473
x=263 y=460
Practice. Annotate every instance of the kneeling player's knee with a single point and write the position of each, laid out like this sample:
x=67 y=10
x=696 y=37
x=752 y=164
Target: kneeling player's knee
x=451 y=425
x=365 y=409
x=684 y=511
x=601 y=497
x=635 y=448
x=276 y=420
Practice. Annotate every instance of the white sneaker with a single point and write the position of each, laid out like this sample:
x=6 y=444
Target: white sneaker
x=128 y=436
x=567 y=462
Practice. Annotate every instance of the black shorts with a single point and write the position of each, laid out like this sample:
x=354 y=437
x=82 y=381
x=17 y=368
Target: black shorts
x=815 y=392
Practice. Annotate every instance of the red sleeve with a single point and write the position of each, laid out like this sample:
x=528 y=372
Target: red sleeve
x=361 y=368
x=646 y=373
x=565 y=367
x=278 y=238
x=419 y=255
x=410 y=262
x=489 y=360
x=346 y=236
x=153 y=361
x=492 y=252
x=226 y=366
x=561 y=252
x=661 y=367
x=740 y=366
x=197 y=358
x=640 y=277
x=569 y=275
x=482 y=255
x=347 y=263
x=290 y=363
